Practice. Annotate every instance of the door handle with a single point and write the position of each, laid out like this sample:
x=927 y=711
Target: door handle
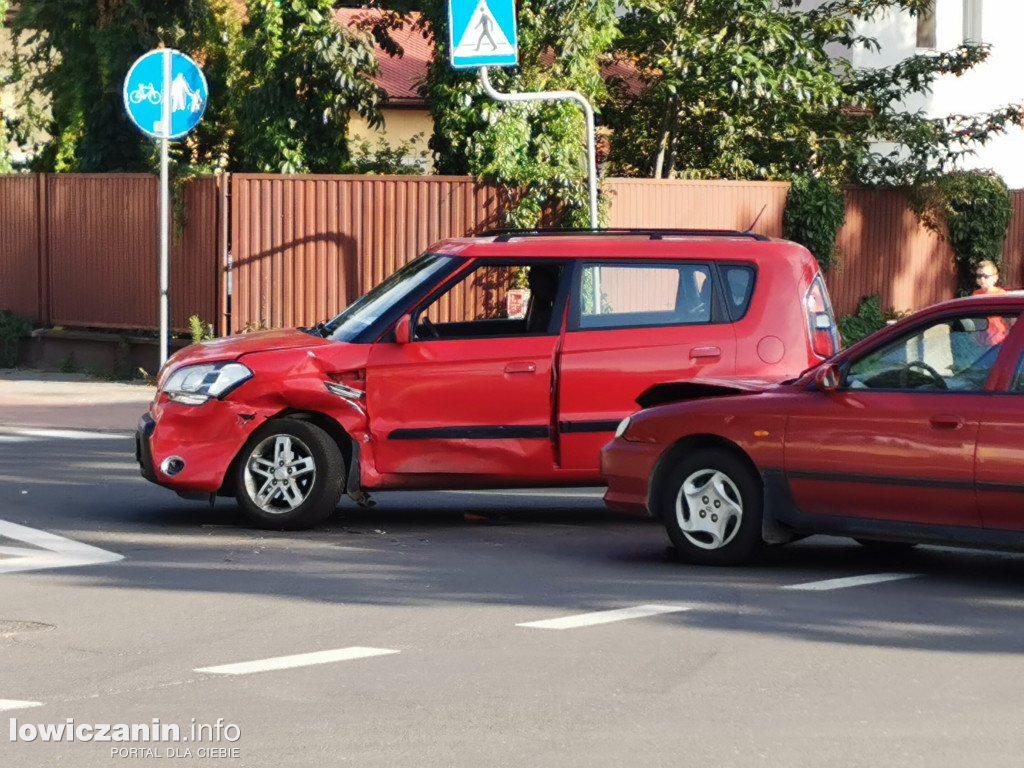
x=521 y=368
x=946 y=422
x=701 y=352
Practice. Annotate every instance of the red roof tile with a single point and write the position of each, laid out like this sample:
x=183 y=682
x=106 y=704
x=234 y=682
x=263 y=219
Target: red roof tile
x=399 y=76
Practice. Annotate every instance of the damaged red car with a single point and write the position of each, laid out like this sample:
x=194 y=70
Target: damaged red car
x=492 y=361
x=910 y=436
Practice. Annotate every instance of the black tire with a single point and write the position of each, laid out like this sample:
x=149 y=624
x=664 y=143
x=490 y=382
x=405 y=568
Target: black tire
x=289 y=475
x=886 y=547
x=720 y=522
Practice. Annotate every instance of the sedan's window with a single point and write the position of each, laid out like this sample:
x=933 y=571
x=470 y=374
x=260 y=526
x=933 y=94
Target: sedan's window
x=951 y=354
x=613 y=296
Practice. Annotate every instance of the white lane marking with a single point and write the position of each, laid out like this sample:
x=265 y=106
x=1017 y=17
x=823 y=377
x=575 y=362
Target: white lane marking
x=51 y=551
x=14 y=439
x=852 y=581
x=6 y=704
x=63 y=434
x=298 y=660
x=604 y=617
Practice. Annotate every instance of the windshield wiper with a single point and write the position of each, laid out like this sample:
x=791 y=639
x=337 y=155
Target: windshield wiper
x=320 y=329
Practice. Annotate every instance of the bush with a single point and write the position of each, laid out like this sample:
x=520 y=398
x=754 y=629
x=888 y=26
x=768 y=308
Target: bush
x=815 y=210
x=972 y=210
x=12 y=330
x=869 y=318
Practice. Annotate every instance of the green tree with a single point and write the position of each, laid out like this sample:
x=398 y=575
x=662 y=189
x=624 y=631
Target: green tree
x=535 y=152
x=75 y=54
x=748 y=89
x=302 y=75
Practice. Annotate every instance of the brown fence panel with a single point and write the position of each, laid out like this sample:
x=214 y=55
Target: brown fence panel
x=1013 y=249
x=104 y=262
x=304 y=247
x=21 y=259
x=697 y=204
x=885 y=250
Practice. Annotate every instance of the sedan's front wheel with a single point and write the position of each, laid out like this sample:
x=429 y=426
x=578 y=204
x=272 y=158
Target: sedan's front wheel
x=711 y=507
x=290 y=475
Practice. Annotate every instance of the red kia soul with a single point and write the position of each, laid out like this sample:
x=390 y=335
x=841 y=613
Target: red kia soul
x=500 y=360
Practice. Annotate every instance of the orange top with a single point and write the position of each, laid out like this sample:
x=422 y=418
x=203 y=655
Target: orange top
x=997 y=327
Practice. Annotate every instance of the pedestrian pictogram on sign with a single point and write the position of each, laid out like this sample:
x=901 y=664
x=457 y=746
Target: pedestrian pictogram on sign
x=482 y=33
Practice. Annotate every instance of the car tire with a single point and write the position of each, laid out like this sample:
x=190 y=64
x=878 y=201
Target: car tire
x=289 y=475
x=711 y=506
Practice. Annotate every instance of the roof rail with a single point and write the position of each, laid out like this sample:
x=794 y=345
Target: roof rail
x=504 y=235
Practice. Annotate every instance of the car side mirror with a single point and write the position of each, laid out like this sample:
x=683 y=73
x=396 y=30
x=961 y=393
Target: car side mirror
x=826 y=378
x=403 y=331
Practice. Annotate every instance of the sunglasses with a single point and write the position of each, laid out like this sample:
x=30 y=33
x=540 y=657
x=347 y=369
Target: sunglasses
x=980 y=275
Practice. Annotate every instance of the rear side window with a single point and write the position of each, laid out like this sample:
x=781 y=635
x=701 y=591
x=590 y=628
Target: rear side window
x=739 y=287
x=631 y=296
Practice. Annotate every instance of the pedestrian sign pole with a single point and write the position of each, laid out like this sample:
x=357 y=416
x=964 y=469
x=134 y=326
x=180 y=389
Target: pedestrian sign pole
x=165 y=95
x=482 y=34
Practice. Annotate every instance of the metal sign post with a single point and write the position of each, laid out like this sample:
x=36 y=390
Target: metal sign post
x=165 y=95
x=482 y=34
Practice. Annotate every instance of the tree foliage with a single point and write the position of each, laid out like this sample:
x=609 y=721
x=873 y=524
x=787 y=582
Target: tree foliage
x=76 y=53
x=302 y=74
x=535 y=151
x=281 y=82
x=748 y=89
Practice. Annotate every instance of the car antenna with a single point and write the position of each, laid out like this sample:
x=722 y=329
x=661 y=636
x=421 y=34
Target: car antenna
x=757 y=218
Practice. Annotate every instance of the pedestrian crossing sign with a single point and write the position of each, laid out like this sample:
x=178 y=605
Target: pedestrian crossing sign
x=482 y=33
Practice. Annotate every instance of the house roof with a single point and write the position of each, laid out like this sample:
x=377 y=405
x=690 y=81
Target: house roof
x=399 y=76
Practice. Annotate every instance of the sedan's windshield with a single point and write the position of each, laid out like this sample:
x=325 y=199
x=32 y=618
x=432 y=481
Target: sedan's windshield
x=366 y=310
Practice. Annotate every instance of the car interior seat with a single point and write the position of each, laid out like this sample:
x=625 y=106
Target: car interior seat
x=543 y=284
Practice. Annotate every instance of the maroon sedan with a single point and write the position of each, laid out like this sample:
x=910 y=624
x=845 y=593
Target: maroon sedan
x=915 y=434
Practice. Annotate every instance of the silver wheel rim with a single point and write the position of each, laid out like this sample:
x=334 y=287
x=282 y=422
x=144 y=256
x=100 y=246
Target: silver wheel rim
x=279 y=474
x=709 y=509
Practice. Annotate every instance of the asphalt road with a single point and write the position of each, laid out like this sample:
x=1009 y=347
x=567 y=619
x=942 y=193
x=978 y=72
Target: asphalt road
x=417 y=611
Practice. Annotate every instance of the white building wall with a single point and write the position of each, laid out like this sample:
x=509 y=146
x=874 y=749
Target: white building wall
x=995 y=83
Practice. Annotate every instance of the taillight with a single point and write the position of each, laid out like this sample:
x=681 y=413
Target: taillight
x=821 y=322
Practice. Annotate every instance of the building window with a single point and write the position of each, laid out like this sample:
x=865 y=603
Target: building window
x=972 y=21
x=926 y=27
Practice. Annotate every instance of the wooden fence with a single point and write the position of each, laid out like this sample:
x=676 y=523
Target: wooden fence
x=81 y=250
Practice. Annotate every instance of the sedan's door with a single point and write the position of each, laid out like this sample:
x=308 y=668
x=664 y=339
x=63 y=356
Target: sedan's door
x=897 y=441
x=632 y=325
x=1000 y=457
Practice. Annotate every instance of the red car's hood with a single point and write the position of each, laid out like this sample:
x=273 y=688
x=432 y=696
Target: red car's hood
x=233 y=347
x=692 y=389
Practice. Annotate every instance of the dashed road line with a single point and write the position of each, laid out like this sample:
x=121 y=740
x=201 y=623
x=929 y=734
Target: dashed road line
x=851 y=581
x=21 y=434
x=8 y=704
x=604 y=617
x=298 y=660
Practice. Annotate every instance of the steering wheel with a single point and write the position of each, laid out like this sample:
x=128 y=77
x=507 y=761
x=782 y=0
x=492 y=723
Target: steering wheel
x=935 y=376
x=426 y=329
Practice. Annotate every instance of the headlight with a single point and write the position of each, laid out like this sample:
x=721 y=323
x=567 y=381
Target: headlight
x=623 y=426
x=195 y=384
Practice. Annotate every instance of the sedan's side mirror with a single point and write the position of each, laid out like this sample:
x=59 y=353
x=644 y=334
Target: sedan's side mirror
x=826 y=378
x=403 y=331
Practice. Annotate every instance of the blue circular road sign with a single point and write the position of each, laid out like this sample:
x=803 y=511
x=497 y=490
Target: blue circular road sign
x=151 y=86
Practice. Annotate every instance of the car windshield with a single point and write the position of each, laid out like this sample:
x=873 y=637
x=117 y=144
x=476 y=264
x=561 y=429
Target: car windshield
x=366 y=310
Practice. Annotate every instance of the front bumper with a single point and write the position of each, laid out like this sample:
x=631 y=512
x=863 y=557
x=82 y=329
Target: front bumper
x=627 y=468
x=142 y=453
x=206 y=438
